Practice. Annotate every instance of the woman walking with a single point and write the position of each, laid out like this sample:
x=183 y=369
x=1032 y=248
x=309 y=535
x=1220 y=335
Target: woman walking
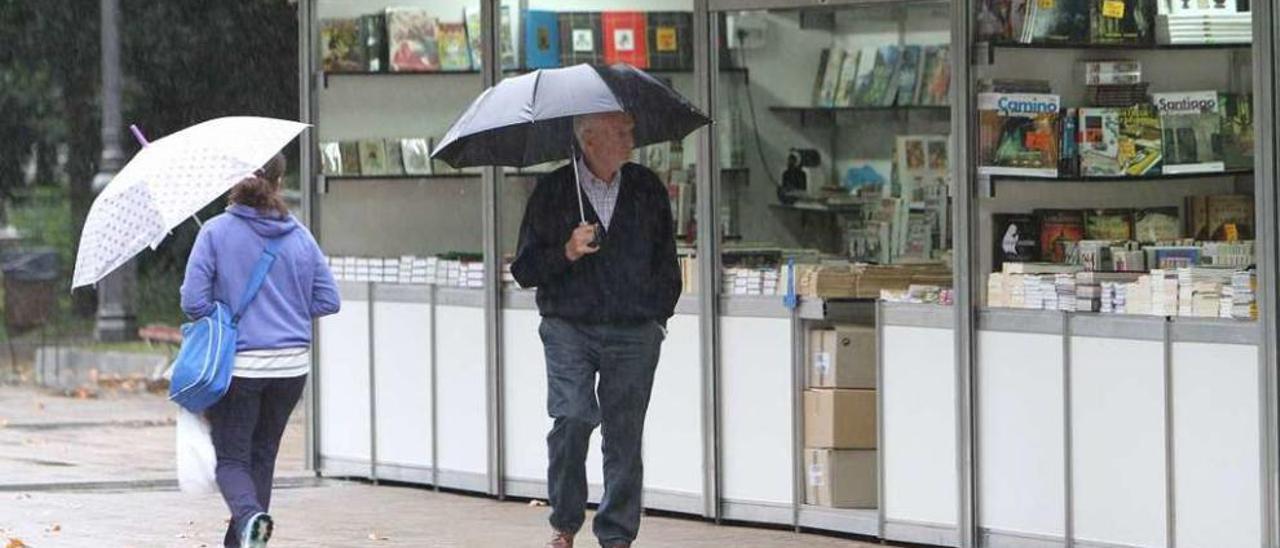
x=273 y=353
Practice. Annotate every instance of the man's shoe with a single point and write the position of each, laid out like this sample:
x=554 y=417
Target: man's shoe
x=561 y=539
x=257 y=531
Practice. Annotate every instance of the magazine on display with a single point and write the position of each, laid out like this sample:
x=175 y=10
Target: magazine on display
x=411 y=34
x=1192 y=130
x=1018 y=134
x=1237 y=129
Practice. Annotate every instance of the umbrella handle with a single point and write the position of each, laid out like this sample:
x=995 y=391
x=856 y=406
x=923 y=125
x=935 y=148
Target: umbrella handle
x=577 y=185
x=137 y=134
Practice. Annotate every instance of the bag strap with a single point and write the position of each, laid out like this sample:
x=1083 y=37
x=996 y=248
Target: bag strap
x=259 y=275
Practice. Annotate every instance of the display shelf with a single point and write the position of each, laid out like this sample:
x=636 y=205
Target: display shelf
x=917 y=315
x=1120 y=326
x=326 y=74
x=991 y=47
x=425 y=177
x=859 y=311
x=829 y=115
x=818 y=208
x=997 y=180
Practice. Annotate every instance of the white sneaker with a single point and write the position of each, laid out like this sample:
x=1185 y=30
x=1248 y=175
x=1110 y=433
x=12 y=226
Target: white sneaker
x=257 y=531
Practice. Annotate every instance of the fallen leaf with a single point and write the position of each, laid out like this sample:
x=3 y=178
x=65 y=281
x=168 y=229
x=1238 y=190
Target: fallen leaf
x=375 y=536
x=537 y=503
x=16 y=543
x=55 y=529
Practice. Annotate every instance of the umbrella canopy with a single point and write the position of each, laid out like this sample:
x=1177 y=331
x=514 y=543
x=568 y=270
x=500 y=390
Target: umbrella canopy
x=528 y=119
x=170 y=180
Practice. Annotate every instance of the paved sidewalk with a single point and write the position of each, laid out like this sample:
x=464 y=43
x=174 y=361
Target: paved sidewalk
x=337 y=514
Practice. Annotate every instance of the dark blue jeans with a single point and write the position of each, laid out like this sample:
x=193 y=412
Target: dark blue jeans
x=624 y=358
x=246 y=426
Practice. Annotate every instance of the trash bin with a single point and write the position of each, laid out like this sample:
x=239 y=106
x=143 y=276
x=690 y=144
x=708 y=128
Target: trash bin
x=30 y=285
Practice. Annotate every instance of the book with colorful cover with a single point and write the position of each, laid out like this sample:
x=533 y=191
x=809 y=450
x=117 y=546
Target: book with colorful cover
x=373 y=34
x=1018 y=134
x=1236 y=110
x=1099 y=142
x=1057 y=227
x=1141 y=149
x=864 y=77
x=1114 y=225
x=883 y=92
x=541 y=39
x=451 y=39
x=935 y=85
x=349 y=153
x=846 y=73
x=1156 y=224
x=828 y=80
x=581 y=39
x=908 y=76
x=1017 y=238
x=670 y=40
x=626 y=38
x=411 y=34
x=1122 y=21
x=340 y=46
x=994 y=20
x=1060 y=21
x=373 y=157
x=1069 y=143
x=1192 y=129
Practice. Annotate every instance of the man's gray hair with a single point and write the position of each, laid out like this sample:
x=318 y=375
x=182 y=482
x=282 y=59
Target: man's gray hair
x=581 y=123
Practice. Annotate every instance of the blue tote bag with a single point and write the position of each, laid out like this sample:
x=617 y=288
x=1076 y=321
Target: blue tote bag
x=202 y=370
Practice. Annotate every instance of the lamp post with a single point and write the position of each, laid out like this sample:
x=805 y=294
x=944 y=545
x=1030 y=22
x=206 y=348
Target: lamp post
x=115 y=321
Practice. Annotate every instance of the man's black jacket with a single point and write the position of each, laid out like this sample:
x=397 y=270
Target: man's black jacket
x=634 y=277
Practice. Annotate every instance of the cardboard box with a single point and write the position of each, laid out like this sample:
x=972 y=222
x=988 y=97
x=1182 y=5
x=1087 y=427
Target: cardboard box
x=844 y=357
x=840 y=419
x=840 y=478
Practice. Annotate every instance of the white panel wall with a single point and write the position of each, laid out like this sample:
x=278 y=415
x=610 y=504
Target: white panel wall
x=524 y=397
x=673 y=430
x=756 y=414
x=344 y=383
x=918 y=451
x=462 y=421
x=1021 y=463
x=1217 y=460
x=402 y=380
x=1118 y=441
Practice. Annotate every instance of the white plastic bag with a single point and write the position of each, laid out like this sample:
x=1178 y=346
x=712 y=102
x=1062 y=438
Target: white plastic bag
x=196 y=460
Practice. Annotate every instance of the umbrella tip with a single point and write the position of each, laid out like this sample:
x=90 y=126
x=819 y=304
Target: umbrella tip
x=137 y=134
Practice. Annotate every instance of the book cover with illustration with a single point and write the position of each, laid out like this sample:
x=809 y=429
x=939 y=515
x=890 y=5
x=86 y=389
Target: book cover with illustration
x=373 y=35
x=1157 y=224
x=994 y=20
x=1114 y=225
x=846 y=87
x=1060 y=21
x=1016 y=238
x=349 y=154
x=395 y=157
x=416 y=153
x=1057 y=227
x=626 y=38
x=863 y=79
x=828 y=80
x=670 y=40
x=1192 y=129
x=581 y=40
x=908 y=75
x=340 y=46
x=1018 y=134
x=935 y=83
x=541 y=39
x=1236 y=111
x=1099 y=142
x=1122 y=21
x=882 y=91
x=411 y=34
x=451 y=40
x=373 y=157
x=1141 y=148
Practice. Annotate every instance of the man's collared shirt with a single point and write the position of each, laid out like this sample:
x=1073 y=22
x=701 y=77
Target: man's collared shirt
x=603 y=196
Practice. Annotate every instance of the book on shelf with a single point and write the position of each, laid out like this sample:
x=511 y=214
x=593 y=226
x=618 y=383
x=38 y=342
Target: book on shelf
x=1122 y=21
x=1192 y=130
x=1016 y=238
x=416 y=154
x=541 y=39
x=340 y=45
x=451 y=41
x=994 y=19
x=1069 y=142
x=349 y=152
x=1020 y=13
x=506 y=39
x=908 y=75
x=1057 y=227
x=935 y=83
x=626 y=38
x=882 y=91
x=330 y=158
x=373 y=35
x=846 y=75
x=411 y=37
x=1141 y=150
x=373 y=157
x=863 y=78
x=395 y=157
x=1236 y=110
x=1109 y=72
x=1018 y=134
x=1051 y=21
x=1222 y=217
x=1108 y=224
x=581 y=39
x=1156 y=224
x=670 y=40
x=1099 y=142
x=1014 y=85
x=828 y=80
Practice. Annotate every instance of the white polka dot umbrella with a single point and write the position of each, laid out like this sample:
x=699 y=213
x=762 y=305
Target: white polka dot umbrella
x=170 y=180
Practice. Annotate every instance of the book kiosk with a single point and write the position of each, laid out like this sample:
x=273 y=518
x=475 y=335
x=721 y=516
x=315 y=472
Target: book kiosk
x=1102 y=373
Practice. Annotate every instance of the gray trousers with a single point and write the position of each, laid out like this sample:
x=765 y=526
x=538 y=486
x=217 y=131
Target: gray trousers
x=624 y=358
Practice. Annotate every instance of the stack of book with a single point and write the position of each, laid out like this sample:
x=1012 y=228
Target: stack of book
x=919 y=294
x=1243 y=299
x=1204 y=22
x=751 y=281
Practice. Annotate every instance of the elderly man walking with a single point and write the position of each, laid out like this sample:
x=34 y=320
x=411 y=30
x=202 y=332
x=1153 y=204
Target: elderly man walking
x=606 y=288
